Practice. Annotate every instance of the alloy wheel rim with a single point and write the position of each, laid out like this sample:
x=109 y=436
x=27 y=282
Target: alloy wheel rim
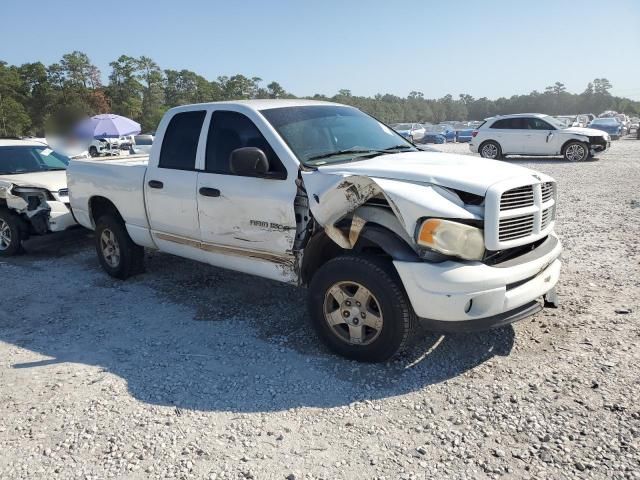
x=575 y=152
x=490 y=151
x=110 y=248
x=5 y=235
x=353 y=313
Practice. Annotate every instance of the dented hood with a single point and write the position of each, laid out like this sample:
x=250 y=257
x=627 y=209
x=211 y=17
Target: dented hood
x=52 y=181
x=412 y=183
x=461 y=172
x=589 y=132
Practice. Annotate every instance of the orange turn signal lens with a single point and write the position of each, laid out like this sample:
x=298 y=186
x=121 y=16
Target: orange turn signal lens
x=427 y=231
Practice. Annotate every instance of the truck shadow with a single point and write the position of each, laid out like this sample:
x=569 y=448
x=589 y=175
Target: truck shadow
x=56 y=245
x=197 y=337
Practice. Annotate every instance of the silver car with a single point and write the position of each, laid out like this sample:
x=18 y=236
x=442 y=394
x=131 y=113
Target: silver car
x=142 y=144
x=413 y=132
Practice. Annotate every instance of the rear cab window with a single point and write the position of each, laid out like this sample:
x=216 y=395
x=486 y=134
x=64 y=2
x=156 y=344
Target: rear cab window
x=180 y=142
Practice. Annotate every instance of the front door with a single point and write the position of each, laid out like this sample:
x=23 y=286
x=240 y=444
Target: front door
x=540 y=138
x=246 y=223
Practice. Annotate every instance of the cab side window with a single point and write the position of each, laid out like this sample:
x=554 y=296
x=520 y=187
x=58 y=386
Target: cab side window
x=229 y=131
x=180 y=142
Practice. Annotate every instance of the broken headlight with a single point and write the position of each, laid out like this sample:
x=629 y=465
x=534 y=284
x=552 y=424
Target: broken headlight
x=451 y=238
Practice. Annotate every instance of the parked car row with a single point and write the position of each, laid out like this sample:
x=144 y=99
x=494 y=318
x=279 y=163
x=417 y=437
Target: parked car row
x=429 y=133
x=135 y=144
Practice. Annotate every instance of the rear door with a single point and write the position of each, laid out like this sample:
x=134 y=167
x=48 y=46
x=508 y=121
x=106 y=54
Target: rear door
x=170 y=185
x=246 y=223
x=508 y=133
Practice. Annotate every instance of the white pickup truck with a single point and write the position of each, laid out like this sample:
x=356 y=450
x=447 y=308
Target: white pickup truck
x=322 y=195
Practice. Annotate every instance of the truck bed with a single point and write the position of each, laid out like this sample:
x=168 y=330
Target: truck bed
x=120 y=180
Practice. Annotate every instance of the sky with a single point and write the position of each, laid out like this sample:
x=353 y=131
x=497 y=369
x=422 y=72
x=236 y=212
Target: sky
x=486 y=48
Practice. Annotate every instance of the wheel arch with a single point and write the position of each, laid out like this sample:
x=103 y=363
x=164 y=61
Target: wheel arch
x=374 y=239
x=99 y=206
x=574 y=139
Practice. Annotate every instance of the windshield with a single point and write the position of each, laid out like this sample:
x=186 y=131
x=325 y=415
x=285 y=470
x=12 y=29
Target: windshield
x=324 y=134
x=30 y=159
x=402 y=126
x=437 y=129
x=604 y=121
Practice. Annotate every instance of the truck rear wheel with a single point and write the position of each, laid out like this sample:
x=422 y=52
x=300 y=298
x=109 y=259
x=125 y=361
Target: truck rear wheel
x=118 y=255
x=360 y=309
x=10 y=233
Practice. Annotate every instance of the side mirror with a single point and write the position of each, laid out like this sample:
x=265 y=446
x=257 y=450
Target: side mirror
x=249 y=162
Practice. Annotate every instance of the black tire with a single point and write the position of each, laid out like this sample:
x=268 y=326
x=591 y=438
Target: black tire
x=11 y=234
x=572 y=149
x=130 y=256
x=380 y=278
x=93 y=152
x=489 y=143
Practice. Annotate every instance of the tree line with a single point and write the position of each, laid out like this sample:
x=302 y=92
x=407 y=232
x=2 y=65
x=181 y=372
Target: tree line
x=35 y=98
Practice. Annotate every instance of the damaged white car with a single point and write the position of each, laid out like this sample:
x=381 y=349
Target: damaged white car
x=34 y=199
x=324 y=196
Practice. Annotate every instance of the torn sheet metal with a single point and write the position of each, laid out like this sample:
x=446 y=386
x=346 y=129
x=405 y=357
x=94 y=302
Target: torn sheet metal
x=14 y=202
x=18 y=200
x=334 y=196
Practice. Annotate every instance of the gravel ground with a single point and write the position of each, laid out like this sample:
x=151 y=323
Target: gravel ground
x=190 y=371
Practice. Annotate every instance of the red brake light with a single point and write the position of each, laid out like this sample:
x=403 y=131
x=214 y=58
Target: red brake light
x=474 y=133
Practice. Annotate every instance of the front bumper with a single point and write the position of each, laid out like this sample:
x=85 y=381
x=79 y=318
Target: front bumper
x=455 y=291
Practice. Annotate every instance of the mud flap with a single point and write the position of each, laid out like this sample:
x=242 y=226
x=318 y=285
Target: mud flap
x=551 y=299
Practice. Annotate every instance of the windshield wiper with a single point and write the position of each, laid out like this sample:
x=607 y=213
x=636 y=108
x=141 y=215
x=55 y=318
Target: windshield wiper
x=398 y=147
x=342 y=152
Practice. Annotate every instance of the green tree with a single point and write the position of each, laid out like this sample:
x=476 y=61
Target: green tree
x=125 y=89
x=153 y=102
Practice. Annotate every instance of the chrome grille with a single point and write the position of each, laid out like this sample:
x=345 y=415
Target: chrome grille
x=547 y=191
x=517 y=198
x=516 y=227
x=547 y=216
x=518 y=214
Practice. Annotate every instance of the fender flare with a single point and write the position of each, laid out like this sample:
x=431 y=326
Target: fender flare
x=389 y=242
x=321 y=248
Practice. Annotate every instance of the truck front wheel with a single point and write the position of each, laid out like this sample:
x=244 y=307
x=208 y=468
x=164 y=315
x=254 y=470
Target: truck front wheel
x=359 y=308
x=118 y=255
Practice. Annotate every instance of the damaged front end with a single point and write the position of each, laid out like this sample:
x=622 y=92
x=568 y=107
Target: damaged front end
x=344 y=205
x=31 y=204
x=598 y=144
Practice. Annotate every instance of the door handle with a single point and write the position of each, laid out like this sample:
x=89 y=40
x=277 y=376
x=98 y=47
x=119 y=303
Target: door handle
x=156 y=184
x=209 y=192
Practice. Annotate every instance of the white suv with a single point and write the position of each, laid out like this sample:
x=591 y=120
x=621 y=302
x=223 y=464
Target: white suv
x=536 y=134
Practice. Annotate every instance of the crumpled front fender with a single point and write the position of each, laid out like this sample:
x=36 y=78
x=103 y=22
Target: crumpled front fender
x=334 y=196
